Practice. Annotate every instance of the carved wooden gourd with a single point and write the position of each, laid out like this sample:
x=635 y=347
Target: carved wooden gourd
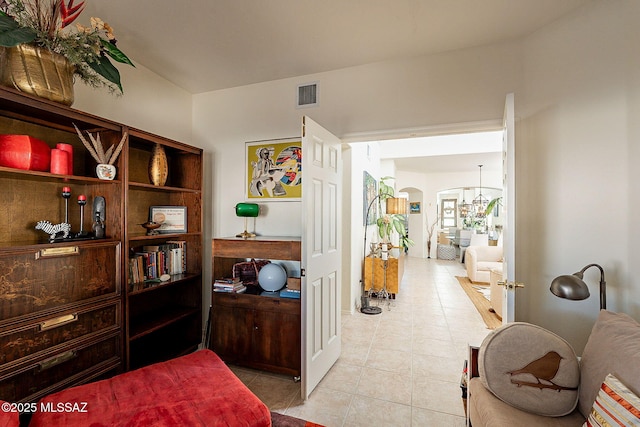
x=158 y=166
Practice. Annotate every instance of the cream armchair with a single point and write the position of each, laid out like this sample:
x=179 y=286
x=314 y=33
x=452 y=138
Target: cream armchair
x=479 y=260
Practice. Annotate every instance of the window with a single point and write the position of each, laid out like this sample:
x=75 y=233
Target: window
x=449 y=209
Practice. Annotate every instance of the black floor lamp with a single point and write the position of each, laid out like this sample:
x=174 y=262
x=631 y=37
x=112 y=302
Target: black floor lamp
x=394 y=205
x=571 y=286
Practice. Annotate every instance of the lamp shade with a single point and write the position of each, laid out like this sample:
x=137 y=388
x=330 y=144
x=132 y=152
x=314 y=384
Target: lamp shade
x=272 y=277
x=247 y=210
x=396 y=205
x=569 y=286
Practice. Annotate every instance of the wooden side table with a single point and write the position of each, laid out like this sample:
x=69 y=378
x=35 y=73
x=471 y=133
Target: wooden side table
x=374 y=274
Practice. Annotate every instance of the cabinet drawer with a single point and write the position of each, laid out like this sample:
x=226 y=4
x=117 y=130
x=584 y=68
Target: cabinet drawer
x=234 y=300
x=279 y=305
x=257 y=302
x=50 y=331
x=34 y=280
x=60 y=370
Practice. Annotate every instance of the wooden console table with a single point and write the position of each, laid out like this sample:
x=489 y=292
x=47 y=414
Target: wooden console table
x=374 y=274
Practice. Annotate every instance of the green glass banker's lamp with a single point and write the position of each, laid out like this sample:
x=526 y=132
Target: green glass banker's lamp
x=246 y=211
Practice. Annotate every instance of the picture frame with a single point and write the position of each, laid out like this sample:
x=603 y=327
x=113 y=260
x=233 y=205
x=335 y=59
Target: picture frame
x=370 y=191
x=414 y=207
x=173 y=219
x=273 y=170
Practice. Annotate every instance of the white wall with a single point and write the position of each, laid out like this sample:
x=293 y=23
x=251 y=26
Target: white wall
x=577 y=148
x=462 y=86
x=149 y=103
x=358 y=158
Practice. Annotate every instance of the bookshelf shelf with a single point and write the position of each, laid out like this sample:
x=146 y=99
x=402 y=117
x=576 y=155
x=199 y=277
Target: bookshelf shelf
x=153 y=324
x=176 y=279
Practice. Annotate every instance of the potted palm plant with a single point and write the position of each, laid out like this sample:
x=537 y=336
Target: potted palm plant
x=40 y=51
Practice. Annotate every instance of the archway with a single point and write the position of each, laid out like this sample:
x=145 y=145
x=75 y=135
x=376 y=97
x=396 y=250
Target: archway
x=416 y=221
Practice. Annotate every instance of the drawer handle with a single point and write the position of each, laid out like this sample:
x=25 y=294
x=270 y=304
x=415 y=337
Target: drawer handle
x=54 y=361
x=58 y=321
x=51 y=252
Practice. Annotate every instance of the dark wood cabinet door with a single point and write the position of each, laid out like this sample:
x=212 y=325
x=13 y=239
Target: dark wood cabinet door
x=276 y=341
x=41 y=280
x=232 y=328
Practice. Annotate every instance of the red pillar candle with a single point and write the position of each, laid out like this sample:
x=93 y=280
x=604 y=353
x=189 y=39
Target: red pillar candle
x=69 y=149
x=59 y=162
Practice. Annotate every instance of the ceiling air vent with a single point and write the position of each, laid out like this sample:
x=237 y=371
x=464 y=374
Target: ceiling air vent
x=308 y=95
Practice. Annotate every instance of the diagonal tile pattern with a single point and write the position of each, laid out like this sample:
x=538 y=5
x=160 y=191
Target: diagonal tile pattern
x=399 y=368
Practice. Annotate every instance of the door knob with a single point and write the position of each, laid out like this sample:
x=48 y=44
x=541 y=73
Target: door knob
x=511 y=285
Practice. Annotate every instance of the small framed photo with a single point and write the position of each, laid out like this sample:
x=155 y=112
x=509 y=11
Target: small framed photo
x=414 y=207
x=173 y=219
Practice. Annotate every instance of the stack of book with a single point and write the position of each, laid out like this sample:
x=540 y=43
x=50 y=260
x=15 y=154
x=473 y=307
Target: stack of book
x=152 y=261
x=229 y=285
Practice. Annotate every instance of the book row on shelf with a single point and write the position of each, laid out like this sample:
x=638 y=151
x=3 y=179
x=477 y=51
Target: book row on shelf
x=153 y=261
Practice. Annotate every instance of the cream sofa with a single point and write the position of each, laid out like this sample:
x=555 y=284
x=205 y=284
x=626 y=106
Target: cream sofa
x=479 y=260
x=613 y=348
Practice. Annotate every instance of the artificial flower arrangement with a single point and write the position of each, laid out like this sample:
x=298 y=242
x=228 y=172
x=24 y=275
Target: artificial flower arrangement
x=45 y=23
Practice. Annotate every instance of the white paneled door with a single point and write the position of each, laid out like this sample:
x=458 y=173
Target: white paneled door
x=509 y=206
x=321 y=253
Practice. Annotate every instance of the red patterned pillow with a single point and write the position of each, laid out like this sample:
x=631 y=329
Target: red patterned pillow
x=615 y=405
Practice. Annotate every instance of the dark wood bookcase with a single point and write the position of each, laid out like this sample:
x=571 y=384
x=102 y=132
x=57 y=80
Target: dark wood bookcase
x=164 y=319
x=67 y=312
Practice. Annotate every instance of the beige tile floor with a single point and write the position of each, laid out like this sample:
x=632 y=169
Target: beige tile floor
x=399 y=368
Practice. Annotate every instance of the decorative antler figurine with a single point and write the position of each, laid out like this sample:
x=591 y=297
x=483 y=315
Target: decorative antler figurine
x=96 y=149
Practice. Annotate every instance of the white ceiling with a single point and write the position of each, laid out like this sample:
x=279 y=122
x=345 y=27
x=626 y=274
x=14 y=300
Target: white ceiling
x=451 y=163
x=205 y=45
x=445 y=153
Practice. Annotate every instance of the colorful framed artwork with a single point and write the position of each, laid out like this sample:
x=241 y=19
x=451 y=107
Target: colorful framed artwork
x=414 y=207
x=273 y=170
x=370 y=187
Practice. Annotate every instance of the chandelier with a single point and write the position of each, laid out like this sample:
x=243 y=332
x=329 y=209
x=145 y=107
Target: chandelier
x=480 y=202
x=464 y=208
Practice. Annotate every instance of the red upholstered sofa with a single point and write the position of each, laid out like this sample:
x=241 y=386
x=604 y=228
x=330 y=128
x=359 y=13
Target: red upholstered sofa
x=193 y=390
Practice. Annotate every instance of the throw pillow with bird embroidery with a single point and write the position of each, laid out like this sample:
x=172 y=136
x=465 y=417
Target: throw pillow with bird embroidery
x=530 y=368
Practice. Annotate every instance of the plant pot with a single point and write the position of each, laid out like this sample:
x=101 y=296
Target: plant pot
x=106 y=172
x=37 y=71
